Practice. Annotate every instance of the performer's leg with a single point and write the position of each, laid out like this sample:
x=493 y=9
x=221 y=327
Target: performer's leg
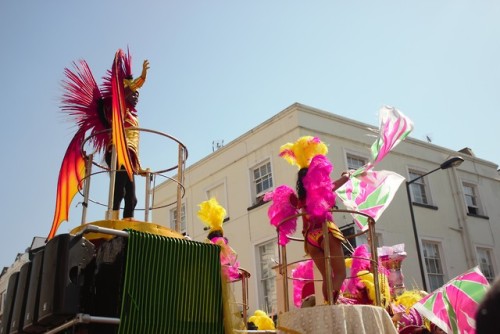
x=337 y=262
x=120 y=182
x=130 y=198
x=119 y=190
x=317 y=256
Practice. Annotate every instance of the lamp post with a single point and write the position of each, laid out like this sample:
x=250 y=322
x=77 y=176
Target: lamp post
x=452 y=162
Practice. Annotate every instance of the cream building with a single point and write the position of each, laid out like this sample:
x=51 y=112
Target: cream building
x=456 y=210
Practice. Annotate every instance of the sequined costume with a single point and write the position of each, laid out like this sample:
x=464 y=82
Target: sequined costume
x=313 y=233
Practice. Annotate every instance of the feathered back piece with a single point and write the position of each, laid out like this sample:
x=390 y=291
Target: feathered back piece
x=320 y=198
x=282 y=207
x=302 y=151
x=80 y=101
x=212 y=214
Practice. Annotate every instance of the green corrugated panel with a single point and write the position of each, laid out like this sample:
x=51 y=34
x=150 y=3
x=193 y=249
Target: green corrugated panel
x=171 y=286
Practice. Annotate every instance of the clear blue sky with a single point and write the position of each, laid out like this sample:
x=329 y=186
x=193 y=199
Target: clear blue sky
x=220 y=68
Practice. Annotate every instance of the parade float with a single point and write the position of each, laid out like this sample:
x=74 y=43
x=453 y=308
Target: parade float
x=119 y=274
x=124 y=275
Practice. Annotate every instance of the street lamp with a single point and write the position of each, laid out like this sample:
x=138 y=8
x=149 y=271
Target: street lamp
x=452 y=162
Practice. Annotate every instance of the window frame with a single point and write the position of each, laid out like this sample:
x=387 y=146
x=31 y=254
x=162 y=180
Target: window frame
x=257 y=197
x=262 y=297
x=222 y=201
x=359 y=239
x=173 y=217
x=428 y=274
x=422 y=185
x=489 y=254
x=356 y=156
x=474 y=198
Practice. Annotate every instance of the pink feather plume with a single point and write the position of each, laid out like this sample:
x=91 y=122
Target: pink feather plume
x=319 y=187
x=281 y=208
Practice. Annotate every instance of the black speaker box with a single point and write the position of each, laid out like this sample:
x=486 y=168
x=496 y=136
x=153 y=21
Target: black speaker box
x=30 y=323
x=9 y=302
x=108 y=283
x=64 y=262
x=16 y=324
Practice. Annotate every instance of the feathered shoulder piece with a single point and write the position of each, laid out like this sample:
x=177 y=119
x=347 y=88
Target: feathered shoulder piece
x=212 y=214
x=302 y=151
x=284 y=206
x=320 y=197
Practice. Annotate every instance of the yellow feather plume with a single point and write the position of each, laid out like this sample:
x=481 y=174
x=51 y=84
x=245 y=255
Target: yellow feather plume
x=302 y=151
x=409 y=298
x=212 y=214
x=262 y=320
x=366 y=278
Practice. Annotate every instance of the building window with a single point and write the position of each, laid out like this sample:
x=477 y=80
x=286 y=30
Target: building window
x=354 y=162
x=485 y=263
x=262 y=180
x=219 y=193
x=267 y=255
x=433 y=264
x=419 y=189
x=173 y=219
x=352 y=242
x=363 y=239
x=471 y=199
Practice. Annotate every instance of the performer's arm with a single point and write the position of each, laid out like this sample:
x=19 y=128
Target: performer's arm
x=139 y=81
x=341 y=181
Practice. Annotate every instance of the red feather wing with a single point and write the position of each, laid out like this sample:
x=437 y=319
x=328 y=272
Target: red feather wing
x=70 y=178
x=82 y=102
x=119 y=109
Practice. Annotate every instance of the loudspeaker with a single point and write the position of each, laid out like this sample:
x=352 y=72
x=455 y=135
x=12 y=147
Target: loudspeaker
x=30 y=323
x=64 y=262
x=16 y=323
x=9 y=302
x=108 y=283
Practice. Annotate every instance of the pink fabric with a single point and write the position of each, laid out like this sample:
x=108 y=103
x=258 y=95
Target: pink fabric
x=453 y=306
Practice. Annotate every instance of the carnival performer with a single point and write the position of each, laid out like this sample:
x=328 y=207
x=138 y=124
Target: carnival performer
x=124 y=184
x=212 y=214
x=101 y=114
x=315 y=198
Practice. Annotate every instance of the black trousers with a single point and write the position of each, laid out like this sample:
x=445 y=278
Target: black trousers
x=124 y=190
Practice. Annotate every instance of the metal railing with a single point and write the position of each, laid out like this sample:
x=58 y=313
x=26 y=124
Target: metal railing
x=149 y=204
x=284 y=265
